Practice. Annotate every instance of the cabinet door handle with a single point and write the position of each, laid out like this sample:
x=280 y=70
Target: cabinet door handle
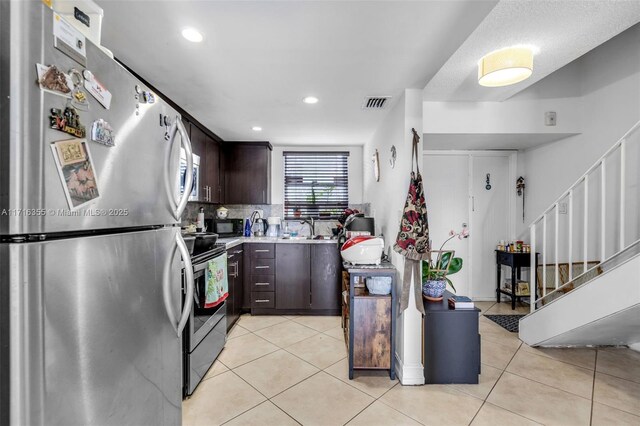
x=262 y=267
x=263 y=301
x=262 y=283
x=261 y=251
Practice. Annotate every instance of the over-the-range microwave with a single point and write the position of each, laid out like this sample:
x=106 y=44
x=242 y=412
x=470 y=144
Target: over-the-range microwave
x=183 y=172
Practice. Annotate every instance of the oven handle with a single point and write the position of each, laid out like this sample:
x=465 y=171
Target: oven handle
x=189 y=283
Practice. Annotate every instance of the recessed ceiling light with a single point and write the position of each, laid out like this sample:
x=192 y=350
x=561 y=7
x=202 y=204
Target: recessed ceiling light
x=256 y=128
x=310 y=100
x=192 y=34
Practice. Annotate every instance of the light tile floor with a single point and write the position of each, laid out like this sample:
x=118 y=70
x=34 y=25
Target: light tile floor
x=293 y=370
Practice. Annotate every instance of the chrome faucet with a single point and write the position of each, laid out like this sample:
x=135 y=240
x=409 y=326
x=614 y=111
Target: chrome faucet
x=309 y=222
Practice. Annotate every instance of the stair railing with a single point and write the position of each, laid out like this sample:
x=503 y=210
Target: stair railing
x=619 y=147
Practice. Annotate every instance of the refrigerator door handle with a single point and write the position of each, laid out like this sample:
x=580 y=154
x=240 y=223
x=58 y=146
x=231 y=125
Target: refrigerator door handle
x=178 y=127
x=189 y=283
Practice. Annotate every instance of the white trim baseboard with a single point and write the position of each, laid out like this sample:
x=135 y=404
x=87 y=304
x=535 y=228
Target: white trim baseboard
x=409 y=375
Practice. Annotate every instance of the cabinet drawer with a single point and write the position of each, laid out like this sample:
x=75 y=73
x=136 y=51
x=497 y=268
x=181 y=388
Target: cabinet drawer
x=262 y=283
x=262 y=267
x=263 y=299
x=262 y=251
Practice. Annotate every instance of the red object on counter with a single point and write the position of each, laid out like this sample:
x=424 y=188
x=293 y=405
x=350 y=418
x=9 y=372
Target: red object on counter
x=355 y=240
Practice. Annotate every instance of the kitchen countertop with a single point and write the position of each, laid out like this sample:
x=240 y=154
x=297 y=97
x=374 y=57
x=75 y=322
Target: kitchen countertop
x=236 y=241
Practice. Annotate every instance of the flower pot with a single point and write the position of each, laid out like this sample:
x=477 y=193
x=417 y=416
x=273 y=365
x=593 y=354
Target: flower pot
x=434 y=289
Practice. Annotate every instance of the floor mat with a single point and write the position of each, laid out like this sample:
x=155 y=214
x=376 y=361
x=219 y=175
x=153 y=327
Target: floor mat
x=508 y=322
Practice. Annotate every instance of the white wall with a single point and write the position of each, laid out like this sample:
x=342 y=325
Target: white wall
x=511 y=117
x=387 y=198
x=609 y=82
x=355 y=170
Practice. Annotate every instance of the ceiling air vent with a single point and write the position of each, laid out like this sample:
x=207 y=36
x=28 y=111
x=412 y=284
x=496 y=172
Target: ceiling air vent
x=375 y=102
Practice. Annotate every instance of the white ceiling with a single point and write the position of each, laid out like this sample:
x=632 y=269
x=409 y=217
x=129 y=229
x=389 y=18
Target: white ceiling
x=260 y=58
x=501 y=141
x=562 y=30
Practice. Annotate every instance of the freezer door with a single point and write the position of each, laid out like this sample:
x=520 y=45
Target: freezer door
x=92 y=342
x=136 y=179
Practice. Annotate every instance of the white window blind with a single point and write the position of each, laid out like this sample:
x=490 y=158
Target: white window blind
x=316 y=184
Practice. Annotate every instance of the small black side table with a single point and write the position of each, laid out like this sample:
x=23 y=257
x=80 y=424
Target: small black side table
x=516 y=261
x=451 y=343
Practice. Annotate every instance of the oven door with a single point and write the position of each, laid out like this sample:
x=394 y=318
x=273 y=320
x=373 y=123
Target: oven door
x=203 y=320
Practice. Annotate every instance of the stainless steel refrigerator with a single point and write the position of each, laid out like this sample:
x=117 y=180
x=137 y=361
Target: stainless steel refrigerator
x=90 y=294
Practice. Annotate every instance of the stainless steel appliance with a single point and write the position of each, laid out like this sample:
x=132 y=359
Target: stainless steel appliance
x=91 y=313
x=226 y=227
x=206 y=332
x=196 y=175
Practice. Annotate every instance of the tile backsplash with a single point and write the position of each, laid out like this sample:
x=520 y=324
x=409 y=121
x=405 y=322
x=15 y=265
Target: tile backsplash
x=243 y=211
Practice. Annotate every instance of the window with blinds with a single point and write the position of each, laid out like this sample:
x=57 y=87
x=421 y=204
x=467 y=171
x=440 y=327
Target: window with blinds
x=316 y=184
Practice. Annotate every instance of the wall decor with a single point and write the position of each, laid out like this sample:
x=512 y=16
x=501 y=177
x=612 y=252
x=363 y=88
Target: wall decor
x=392 y=160
x=520 y=191
x=376 y=165
x=488 y=182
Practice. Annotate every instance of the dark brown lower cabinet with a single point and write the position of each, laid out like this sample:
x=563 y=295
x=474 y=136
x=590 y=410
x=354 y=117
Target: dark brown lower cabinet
x=326 y=268
x=293 y=283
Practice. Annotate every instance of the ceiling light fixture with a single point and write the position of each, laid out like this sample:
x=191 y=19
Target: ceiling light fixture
x=256 y=128
x=192 y=35
x=310 y=100
x=505 y=66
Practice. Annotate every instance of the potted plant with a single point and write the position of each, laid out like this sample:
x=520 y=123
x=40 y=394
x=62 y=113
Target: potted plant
x=435 y=272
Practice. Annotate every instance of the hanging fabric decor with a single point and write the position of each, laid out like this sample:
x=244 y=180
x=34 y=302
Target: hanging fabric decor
x=413 y=238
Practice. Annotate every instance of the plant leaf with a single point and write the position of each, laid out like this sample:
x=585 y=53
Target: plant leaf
x=451 y=284
x=455 y=265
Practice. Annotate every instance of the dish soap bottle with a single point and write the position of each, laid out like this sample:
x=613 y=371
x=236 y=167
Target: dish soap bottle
x=247 y=228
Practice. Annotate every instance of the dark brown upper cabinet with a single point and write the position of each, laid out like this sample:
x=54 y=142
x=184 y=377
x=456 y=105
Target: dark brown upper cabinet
x=247 y=172
x=208 y=149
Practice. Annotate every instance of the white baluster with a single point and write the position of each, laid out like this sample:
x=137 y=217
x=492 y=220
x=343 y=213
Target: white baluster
x=585 y=235
x=533 y=270
x=570 y=234
x=623 y=152
x=544 y=255
x=557 y=271
x=603 y=211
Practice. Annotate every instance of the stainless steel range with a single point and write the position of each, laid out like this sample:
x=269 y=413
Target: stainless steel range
x=206 y=332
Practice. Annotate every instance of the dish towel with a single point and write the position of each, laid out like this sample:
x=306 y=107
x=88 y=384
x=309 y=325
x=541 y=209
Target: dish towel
x=217 y=283
x=413 y=238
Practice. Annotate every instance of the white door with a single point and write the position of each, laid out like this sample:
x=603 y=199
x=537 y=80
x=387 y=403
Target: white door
x=489 y=219
x=456 y=193
x=446 y=188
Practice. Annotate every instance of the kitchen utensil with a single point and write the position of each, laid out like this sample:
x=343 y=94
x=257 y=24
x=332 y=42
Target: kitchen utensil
x=363 y=250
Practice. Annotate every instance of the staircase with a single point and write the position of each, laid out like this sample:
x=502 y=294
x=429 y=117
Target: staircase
x=588 y=274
